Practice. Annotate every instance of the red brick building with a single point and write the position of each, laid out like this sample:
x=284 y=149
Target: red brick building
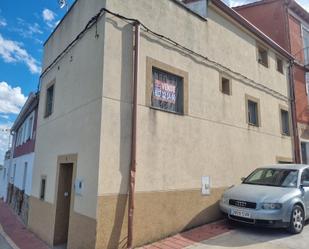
x=287 y=23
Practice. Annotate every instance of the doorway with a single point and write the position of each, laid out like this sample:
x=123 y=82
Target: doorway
x=64 y=199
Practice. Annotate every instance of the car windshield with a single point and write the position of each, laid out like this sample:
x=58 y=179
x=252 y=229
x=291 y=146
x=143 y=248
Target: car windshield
x=273 y=177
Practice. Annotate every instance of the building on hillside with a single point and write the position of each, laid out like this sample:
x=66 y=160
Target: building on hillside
x=4 y=176
x=21 y=160
x=287 y=23
x=206 y=109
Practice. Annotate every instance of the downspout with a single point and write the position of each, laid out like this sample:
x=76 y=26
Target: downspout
x=133 y=140
x=297 y=157
x=293 y=110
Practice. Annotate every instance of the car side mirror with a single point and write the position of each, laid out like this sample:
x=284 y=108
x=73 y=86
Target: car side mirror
x=242 y=179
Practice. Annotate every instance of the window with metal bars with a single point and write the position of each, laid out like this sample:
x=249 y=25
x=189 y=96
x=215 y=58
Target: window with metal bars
x=167 y=91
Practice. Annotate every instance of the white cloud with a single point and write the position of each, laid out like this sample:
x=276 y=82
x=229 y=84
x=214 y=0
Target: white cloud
x=4 y=139
x=3 y=22
x=11 y=99
x=49 y=18
x=28 y=30
x=5 y=116
x=304 y=4
x=48 y=15
x=234 y=3
x=12 y=51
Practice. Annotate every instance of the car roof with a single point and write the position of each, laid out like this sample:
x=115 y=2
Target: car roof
x=288 y=166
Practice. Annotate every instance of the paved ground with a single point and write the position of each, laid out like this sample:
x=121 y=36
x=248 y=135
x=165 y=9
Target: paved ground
x=16 y=231
x=256 y=238
x=224 y=236
x=219 y=235
x=4 y=244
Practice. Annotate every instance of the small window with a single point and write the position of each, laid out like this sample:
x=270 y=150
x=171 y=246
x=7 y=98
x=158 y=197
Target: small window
x=279 y=65
x=167 y=91
x=25 y=176
x=307 y=83
x=263 y=56
x=304 y=152
x=253 y=112
x=225 y=86
x=43 y=187
x=49 y=101
x=197 y=6
x=14 y=173
x=285 y=130
x=21 y=135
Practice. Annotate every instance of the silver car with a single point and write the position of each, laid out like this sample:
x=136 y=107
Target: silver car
x=276 y=196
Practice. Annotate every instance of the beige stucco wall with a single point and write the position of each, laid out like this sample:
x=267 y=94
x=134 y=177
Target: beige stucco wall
x=92 y=116
x=174 y=152
x=69 y=28
x=74 y=126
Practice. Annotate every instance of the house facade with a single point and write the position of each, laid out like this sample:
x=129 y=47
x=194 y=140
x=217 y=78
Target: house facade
x=20 y=162
x=4 y=175
x=202 y=116
x=287 y=23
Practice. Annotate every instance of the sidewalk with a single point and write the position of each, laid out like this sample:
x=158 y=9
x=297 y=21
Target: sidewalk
x=15 y=232
x=18 y=237
x=191 y=237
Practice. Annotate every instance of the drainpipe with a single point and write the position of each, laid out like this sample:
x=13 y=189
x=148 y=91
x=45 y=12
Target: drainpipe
x=133 y=141
x=293 y=110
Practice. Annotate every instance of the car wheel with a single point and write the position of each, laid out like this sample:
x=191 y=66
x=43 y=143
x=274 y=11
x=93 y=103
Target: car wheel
x=297 y=220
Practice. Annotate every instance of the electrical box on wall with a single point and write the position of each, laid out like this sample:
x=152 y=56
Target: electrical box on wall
x=206 y=185
x=79 y=186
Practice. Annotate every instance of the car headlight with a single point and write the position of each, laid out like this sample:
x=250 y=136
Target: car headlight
x=271 y=205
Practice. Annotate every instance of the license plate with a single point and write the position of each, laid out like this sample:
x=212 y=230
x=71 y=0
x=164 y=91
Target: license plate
x=240 y=213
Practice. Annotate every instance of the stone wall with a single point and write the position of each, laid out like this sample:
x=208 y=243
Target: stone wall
x=19 y=202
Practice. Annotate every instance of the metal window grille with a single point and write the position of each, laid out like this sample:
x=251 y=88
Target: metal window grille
x=167 y=91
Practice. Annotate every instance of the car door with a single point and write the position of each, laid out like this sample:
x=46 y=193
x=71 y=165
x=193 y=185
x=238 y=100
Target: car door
x=305 y=183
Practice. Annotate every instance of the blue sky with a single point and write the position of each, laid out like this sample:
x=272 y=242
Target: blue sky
x=24 y=26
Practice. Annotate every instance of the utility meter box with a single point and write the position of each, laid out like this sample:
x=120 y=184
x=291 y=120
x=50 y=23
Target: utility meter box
x=79 y=186
x=206 y=185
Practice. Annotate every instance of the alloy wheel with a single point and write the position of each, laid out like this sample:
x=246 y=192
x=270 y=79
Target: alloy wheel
x=297 y=220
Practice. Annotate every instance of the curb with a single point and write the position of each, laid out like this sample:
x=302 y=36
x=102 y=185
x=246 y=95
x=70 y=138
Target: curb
x=8 y=239
x=191 y=238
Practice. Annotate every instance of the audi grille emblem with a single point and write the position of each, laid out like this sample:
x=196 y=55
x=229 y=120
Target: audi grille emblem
x=240 y=203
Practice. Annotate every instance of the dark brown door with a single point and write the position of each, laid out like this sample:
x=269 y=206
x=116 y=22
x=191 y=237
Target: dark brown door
x=63 y=204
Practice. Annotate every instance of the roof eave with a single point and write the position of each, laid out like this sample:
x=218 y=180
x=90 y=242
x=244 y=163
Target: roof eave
x=31 y=99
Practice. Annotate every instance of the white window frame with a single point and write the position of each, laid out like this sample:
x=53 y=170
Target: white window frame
x=25 y=125
x=30 y=126
x=304 y=28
